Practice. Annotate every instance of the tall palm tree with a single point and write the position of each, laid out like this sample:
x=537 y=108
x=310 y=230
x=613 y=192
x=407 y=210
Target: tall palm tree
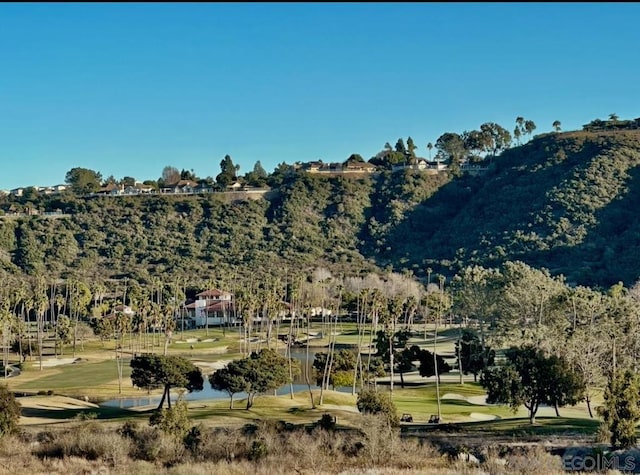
x=429 y=146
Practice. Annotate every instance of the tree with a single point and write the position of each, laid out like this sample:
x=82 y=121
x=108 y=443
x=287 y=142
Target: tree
x=411 y=148
x=227 y=174
x=262 y=371
x=170 y=175
x=472 y=356
x=9 y=411
x=495 y=138
x=83 y=181
x=159 y=371
x=556 y=125
x=427 y=367
x=529 y=127
x=188 y=175
x=451 y=146
x=429 y=147
x=342 y=366
x=530 y=378
x=621 y=408
x=229 y=379
x=257 y=177
x=372 y=402
x=128 y=181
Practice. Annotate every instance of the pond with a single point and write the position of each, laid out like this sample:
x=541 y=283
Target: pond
x=207 y=392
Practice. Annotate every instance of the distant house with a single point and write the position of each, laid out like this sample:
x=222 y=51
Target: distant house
x=212 y=307
x=364 y=167
x=312 y=167
x=17 y=191
x=110 y=189
x=59 y=188
x=183 y=186
x=235 y=186
x=124 y=309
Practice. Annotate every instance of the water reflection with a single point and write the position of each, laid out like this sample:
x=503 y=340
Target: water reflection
x=299 y=384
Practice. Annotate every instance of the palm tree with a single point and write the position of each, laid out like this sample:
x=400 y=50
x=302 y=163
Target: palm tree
x=429 y=146
x=556 y=125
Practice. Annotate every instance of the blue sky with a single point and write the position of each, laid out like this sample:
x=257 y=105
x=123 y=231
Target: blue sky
x=126 y=88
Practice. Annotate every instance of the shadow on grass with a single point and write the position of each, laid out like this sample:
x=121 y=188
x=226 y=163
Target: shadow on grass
x=111 y=413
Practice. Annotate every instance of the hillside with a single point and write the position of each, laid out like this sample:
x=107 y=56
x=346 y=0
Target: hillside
x=565 y=201
x=562 y=201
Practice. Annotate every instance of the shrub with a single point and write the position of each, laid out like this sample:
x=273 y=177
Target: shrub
x=373 y=402
x=172 y=421
x=9 y=411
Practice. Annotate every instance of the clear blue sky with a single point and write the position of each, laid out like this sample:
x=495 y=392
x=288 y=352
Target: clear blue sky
x=126 y=89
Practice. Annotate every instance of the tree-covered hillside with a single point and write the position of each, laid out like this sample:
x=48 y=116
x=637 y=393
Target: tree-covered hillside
x=564 y=201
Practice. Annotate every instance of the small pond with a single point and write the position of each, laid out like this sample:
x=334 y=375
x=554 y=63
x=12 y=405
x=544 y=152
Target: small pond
x=207 y=392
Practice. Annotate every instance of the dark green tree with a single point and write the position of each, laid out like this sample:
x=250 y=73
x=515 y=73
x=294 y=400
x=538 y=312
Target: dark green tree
x=452 y=147
x=262 y=371
x=372 y=402
x=227 y=174
x=9 y=411
x=427 y=368
x=411 y=148
x=529 y=378
x=229 y=379
x=83 y=181
x=474 y=358
x=159 y=371
x=621 y=408
x=342 y=366
x=556 y=125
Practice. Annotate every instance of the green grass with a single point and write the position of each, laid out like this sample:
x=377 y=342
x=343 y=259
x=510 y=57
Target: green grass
x=71 y=378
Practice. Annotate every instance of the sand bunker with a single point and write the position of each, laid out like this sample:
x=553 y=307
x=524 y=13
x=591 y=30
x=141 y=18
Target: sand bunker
x=54 y=403
x=55 y=362
x=476 y=400
x=477 y=416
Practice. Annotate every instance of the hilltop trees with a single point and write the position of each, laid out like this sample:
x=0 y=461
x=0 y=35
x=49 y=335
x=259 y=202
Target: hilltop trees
x=228 y=173
x=170 y=176
x=83 y=180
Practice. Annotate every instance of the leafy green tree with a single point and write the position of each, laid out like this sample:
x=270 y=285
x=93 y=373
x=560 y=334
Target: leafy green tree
x=227 y=174
x=621 y=408
x=496 y=138
x=411 y=148
x=404 y=361
x=229 y=379
x=529 y=127
x=262 y=371
x=159 y=371
x=9 y=411
x=173 y=420
x=188 y=175
x=451 y=146
x=472 y=356
x=530 y=378
x=427 y=367
x=372 y=402
x=342 y=366
x=556 y=125
x=83 y=180
x=258 y=176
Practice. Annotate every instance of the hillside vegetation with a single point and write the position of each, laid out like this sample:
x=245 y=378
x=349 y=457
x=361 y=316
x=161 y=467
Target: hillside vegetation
x=564 y=201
